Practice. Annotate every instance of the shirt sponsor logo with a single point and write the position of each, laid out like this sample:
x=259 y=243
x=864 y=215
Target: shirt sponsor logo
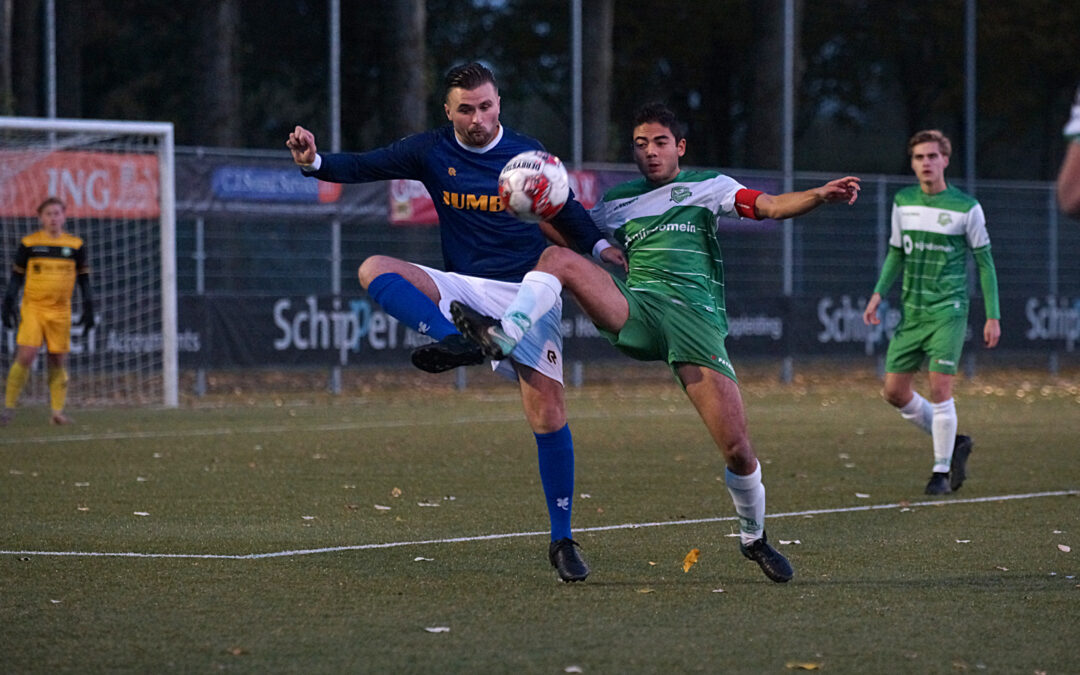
x=666 y=227
x=944 y=219
x=467 y=202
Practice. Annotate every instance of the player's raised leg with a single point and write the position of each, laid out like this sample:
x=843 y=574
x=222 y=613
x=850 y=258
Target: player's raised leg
x=717 y=399
x=408 y=294
x=558 y=268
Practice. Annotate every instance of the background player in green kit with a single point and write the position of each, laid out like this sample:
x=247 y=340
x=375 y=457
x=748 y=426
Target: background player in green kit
x=933 y=226
x=671 y=306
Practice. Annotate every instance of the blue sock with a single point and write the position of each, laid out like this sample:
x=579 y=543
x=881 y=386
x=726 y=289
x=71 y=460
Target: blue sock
x=556 y=454
x=407 y=304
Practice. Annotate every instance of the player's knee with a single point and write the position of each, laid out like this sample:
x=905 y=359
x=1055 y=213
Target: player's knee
x=371 y=268
x=554 y=259
x=739 y=455
x=897 y=398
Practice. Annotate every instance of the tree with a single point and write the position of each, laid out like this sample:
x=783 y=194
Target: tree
x=218 y=114
x=7 y=96
x=598 y=19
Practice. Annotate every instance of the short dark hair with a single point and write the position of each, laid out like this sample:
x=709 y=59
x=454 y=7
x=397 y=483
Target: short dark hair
x=660 y=114
x=49 y=201
x=930 y=136
x=469 y=76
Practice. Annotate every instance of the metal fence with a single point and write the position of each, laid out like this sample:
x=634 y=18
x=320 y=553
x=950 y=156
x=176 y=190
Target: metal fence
x=240 y=247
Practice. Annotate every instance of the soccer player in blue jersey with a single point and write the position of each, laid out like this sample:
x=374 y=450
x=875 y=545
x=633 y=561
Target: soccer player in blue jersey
x=671 y=307
x=486 y=252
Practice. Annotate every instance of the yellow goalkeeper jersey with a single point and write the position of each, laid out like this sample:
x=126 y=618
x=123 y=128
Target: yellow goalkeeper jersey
x=50 y=265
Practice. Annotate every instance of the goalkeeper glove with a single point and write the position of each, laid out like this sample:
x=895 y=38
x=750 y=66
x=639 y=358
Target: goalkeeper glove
x=7 y=313
x=87 y=319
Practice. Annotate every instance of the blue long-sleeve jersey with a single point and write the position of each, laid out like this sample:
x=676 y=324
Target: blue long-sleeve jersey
x=479 y=238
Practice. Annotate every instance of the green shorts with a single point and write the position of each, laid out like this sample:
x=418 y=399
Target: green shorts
x=661 y=328
x=941 y=340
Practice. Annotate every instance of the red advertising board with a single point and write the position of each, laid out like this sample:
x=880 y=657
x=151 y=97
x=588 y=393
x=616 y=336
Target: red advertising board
x=91 y=184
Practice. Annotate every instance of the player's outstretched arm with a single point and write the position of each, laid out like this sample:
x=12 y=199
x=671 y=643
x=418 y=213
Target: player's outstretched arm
x=301 y=143
x=793 y=204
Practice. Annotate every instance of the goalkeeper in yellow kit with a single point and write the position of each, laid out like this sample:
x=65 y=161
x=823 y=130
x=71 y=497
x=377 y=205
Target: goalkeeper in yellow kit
x=48 y=262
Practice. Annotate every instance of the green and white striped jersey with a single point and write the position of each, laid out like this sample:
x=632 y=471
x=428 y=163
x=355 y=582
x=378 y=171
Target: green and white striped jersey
x=935 y=232
x=669 y=233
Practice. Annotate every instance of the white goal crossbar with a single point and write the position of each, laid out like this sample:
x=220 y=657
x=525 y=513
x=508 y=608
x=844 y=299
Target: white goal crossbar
x=63 y=158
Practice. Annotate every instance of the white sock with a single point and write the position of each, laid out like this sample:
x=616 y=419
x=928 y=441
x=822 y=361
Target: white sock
x=944 y=434
x=749 y=496
x=919 y=412
x=538 y=294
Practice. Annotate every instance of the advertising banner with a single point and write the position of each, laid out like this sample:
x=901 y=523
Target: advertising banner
x=91 y=184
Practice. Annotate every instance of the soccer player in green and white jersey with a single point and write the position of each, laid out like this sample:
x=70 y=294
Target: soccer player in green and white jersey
x=671 y=306
x=933 y=227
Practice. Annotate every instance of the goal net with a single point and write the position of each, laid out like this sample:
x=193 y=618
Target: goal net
x=116 y=180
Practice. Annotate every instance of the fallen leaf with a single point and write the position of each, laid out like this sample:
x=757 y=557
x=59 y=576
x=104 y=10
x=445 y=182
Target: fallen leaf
x=646 y=590
x=237 y=651
x=690 y=559
x=420 y=558
x=56 y=602
x=395 y=493
x=785 y=542
x=862 y=495
x=380 y=507
x=573 y=669
x=308 y=517
x=717 y=590
x=1063 y=548
x=141 y=513
x=802 y=665
x=963 y=541
x=999 y=567
x=425 y=504
x=585 y=495
x=83 y=508
x=438 y=629
x=652 y=563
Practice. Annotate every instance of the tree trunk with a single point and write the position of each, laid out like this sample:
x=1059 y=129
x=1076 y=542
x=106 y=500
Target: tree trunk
x=598 y=19
x=765 y=124
x=404 y=78
x=219 y=112
x=26 y=64
x=7 y=96
x=70 y=25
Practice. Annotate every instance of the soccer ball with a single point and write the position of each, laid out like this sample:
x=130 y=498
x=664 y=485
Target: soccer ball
x=534 y=186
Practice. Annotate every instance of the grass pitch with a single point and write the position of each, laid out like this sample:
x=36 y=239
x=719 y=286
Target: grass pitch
x=297 y=535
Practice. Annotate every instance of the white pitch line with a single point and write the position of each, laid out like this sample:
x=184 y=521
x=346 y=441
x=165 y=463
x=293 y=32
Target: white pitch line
x=510 y=535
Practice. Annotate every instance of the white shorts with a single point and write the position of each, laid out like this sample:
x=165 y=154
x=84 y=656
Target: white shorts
x=540 y=349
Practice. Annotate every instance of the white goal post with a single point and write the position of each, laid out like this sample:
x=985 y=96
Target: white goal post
x=117 y=181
